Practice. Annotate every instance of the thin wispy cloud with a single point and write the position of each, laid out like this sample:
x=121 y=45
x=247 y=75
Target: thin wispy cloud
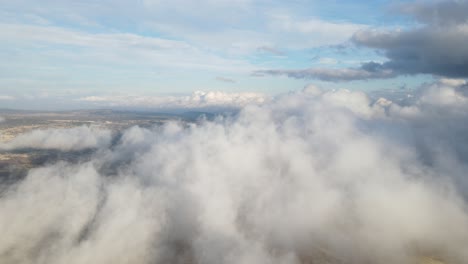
x=68 y=43
x=271 y=50
x=86 y=46
x=334 y=75
x=225 y=79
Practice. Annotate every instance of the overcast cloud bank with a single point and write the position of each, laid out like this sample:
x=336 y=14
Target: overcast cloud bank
x=310 y=177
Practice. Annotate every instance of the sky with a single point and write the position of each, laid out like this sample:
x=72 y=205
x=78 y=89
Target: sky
x=72 y=54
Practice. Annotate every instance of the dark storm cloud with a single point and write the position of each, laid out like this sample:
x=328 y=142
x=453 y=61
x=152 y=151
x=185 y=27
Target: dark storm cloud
x=438 y=47
x=439 y=13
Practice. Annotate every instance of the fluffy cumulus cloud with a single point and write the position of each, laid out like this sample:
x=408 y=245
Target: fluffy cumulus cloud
x=197 y=100
x=310 y=177
x=77 y=138
x=437 y=46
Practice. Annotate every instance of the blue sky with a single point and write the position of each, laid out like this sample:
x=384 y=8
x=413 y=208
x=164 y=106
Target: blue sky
x=56 y=52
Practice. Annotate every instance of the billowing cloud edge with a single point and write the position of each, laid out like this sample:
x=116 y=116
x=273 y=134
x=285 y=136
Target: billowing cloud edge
x=359 y=180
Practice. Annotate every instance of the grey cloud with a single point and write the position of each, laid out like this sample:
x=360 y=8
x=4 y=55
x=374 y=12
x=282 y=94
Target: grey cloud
x=224 y=79
x=366 y=72
x=312 y=176
x=438 y=51
x=438 y=47
x=439 y=13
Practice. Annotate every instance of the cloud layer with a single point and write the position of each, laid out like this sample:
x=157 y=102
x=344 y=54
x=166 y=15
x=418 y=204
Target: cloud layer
x=336 y=75
x=77 y=138
x=197 y=100
x=311 y=177
x=436 y=47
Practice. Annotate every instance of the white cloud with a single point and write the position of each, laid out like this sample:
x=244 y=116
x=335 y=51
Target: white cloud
x=446 y=92
x=77 y=138
x=313 y=175
x=453 y=82
x=283 y=31
x=6 y=97
x=57 y=35
x=233 y=27
x=332 y=31
x=327 y=61
x=121 y=49
x=198 y=99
